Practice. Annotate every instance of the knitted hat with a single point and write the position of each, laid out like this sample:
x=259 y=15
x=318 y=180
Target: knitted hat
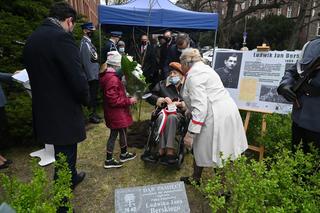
x=114 y=58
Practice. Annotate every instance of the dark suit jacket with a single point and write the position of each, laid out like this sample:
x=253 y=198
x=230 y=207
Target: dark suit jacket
x=7 y=78
x=308 y=116
x=150 y=67
x=173 y=55
x=58 y=83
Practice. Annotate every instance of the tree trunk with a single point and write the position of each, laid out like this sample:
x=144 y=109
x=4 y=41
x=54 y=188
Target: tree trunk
x=294 y=38
x=226 y=26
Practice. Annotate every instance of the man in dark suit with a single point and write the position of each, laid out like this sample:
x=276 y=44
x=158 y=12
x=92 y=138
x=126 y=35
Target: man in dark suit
x=306 y=102
x=183 y=41
x=59 y=86
x=147 y=57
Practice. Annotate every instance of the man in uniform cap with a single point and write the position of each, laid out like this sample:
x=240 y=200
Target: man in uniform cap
x=89 y=61
x=111 y=44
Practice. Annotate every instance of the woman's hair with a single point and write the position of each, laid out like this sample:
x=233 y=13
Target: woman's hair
x=190 y=56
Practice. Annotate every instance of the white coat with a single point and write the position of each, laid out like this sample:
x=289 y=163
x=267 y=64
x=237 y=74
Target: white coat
x=216 y=120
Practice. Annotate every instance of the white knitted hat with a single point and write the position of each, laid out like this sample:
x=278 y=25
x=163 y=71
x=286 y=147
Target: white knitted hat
x=114 y=58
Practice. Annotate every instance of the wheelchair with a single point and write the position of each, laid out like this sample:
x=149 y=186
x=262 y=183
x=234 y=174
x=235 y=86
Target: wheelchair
x=151 y=148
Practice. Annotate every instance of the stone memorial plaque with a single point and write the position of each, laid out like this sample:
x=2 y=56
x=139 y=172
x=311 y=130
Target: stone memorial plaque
x=159 y=198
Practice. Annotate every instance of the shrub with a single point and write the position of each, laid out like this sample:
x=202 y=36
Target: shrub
x=40 y=194
x=287 y=183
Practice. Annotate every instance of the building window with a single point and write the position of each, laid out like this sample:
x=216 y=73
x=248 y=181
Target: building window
x=236 y=7
x=264 y=1
x=257 y=2
x=318 y=29
x=298 y=11
x=262 y=15
x=289 y=12
x=279 y=11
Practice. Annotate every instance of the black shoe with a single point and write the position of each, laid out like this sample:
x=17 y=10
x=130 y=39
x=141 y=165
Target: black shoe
x=127 y=156
x=94 y=120
x=79 y=178
x=190 y=180
x=172 y=159
x=108 y=164
x=8 y=161
x=150 y=157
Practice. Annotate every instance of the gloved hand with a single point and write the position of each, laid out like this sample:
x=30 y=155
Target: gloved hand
x=287 y=93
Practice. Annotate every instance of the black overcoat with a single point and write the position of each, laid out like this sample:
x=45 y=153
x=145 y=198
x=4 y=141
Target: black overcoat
x=58 y=83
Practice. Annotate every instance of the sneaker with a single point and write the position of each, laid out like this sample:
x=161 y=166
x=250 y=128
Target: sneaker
x=108 y=164
x=94 y=120
x=127 y=156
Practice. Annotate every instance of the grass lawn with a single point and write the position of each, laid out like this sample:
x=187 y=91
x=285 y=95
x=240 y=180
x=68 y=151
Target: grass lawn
x=96 y=192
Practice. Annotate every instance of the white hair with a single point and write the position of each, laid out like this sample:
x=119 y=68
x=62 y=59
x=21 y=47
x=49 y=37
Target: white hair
x=190 y=56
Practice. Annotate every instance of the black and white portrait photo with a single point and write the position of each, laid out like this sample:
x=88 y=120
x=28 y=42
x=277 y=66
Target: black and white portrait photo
x=227 y=65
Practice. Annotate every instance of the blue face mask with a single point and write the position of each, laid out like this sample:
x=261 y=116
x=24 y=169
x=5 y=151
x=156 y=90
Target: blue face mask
x=121 y=49
x=174 y=80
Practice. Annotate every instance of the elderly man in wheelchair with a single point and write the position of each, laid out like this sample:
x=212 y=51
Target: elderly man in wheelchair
x=168 y=118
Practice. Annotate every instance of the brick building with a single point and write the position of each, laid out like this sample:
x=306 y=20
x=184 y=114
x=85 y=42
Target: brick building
x=88 y=8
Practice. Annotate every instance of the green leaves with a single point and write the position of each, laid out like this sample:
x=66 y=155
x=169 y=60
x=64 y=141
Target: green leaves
x=40 y=194
x=285 y=183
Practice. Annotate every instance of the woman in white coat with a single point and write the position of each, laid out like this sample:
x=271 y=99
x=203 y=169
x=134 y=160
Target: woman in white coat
x=215 y=130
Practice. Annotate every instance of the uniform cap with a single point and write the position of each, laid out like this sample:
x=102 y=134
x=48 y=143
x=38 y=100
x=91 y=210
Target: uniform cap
x=116 y=34
x=88 y=26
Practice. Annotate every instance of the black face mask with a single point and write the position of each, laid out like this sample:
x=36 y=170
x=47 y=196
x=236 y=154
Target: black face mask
x=168 y=39
x=144 y=42
x=90 y=34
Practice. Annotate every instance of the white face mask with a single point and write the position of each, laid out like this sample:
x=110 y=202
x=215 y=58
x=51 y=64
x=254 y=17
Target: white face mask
x=121 y=49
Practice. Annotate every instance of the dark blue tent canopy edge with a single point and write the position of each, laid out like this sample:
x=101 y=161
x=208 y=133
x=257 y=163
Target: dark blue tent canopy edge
x=162 y=14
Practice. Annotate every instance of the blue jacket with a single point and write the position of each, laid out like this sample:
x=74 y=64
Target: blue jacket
x=88 y=56
x=4 y=78
x=308 y=115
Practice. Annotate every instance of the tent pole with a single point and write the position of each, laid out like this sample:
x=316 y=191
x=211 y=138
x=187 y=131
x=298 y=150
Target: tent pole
x=100 y=43
x=214 y=45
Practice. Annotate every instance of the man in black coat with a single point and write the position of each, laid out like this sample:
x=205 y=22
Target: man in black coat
x=59 y=86
x=306 y=101
x=147 y=57
x=183 y=41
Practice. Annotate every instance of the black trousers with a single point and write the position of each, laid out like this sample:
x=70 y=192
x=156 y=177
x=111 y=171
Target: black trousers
x=306 y=136
x=93 y=87
x=3 y=123
x=70 y=151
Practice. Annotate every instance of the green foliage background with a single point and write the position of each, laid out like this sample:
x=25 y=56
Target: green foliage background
x=40 y=194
